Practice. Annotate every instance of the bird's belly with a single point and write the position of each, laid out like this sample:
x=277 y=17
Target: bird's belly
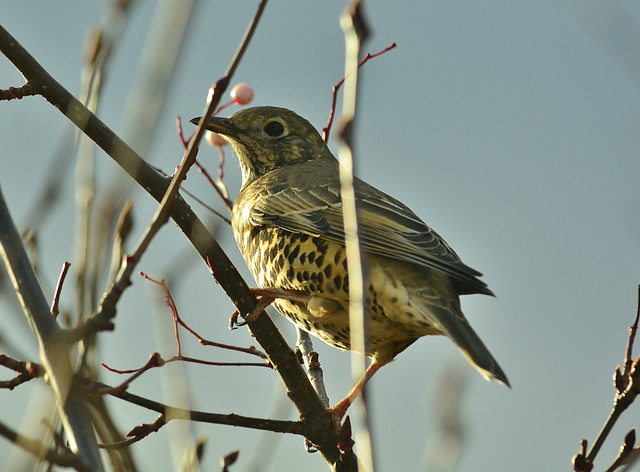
x=313 y=265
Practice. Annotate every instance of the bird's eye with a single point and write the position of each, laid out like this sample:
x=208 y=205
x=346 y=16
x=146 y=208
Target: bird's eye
x=274 y=128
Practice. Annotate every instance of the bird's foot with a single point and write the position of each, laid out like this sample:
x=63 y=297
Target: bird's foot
x=340 y=408
x=266 y=296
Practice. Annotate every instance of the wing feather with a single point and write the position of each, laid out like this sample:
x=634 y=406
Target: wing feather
x=388 y=227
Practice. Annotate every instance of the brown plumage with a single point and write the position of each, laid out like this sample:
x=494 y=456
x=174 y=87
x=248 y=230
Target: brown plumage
x=287 y=221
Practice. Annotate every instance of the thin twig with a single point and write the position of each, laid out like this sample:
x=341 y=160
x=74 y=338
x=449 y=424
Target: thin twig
x=138 y=433
x=277 y=426
x=55 y=311
x=218 y=186
x=625 y=451
x=627 y=388
x=208 y=207
x=633 y=330
x=179 y=321
x=26 y=371
x=336 y=87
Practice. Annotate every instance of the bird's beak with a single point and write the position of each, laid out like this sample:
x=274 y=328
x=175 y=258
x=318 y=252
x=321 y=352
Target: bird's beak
x=219 y=125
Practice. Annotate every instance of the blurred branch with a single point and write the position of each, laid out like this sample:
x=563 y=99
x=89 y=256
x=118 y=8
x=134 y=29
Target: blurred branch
x=63 y=458
x=54 y=347
x=356 y=32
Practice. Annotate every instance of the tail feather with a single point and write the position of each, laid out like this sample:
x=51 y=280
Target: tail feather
x=460 y=331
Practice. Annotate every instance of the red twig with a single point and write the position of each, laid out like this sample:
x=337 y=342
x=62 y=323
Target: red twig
x=205 y=342
x=218 y=185
x=18 y=92
x=168 y=299
x=336 y=87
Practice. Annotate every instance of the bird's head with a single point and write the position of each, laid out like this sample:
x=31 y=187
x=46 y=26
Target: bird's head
x=267 y=138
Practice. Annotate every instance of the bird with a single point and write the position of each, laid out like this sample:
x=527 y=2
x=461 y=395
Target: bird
x=288 y=224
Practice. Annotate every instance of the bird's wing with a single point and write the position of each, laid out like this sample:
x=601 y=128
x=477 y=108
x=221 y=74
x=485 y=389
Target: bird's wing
x=387 y=226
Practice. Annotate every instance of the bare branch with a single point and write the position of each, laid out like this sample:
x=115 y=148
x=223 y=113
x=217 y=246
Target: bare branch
x=627 y=388
x=26 y=371
x=56 y=296
x=327 y=129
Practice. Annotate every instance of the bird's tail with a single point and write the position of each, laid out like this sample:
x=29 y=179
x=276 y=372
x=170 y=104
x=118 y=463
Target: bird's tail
x=458 y=329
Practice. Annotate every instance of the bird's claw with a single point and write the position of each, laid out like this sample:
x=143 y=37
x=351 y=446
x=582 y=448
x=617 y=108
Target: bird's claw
x=233 y=321
x=265 y=297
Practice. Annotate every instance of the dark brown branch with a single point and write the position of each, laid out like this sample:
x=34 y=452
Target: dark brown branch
x=119 y=391
x=56 y=296
x=231 y=419
x=26 y=371
x=138 y=433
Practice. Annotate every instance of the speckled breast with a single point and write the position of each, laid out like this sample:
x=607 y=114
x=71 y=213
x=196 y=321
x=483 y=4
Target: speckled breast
x=294 y=261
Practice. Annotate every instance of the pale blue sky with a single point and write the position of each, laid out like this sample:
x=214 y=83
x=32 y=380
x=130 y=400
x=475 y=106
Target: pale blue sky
x=509 y=127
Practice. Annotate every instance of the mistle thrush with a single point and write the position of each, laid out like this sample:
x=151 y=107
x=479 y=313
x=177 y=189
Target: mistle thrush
x=287 y=221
